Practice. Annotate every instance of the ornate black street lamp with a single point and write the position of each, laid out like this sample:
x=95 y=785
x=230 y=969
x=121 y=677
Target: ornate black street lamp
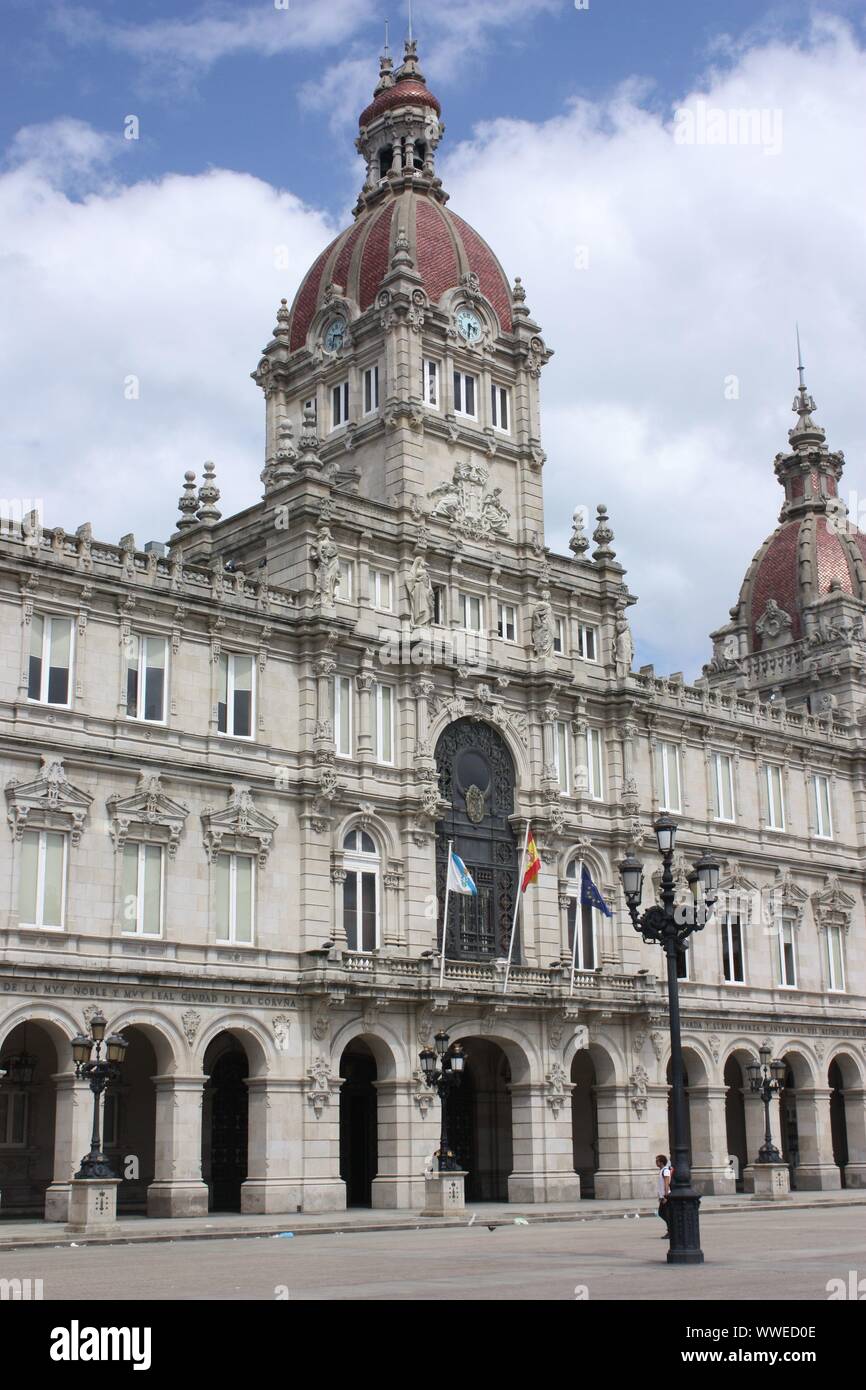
x=100 y=1073
x=442 y=1069
x=670 y=925
x=766 y=1079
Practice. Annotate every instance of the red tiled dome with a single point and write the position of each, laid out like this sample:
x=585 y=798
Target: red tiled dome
x=442 y=245
x=805 y=553
x=407 y=93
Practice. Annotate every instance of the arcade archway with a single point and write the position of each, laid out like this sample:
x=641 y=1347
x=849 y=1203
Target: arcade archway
x=479 y=1121
x=28 y=1101
x=225 y=1122
x=358 y=1123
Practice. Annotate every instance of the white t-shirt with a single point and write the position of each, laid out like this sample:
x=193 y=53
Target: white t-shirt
x=663 y=1173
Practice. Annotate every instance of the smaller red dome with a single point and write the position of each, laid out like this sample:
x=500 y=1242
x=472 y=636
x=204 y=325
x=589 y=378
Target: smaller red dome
x=408 y=93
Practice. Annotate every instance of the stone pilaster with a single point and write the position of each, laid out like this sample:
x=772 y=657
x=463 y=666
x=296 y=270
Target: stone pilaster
x=178 y=1188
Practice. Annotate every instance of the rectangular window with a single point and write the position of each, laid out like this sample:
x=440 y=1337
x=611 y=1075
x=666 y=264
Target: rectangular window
x=464 y=394
x=430 y=383
x=584 y=956
x=383 y=587
x=787 y=956
x=562 y=754
x=371 y=390
x=384 y=731
x=339 y=404
x=559 y=635
x=234 y=878
x=13 y=1117
x=235 y=695
x=50 y=660
x=146 y=662
x=723 y=786
x=141 y=890
x=775 y=798
x=821 y=798
x=587 y=642
x=360 y=910
x=507 y=622
x=593 y=753
x=835 y=963
x=345 y=584
x=732 y=951
x=470 y=612
x=341 y=715
x=668 y=777
x=440 y=605
x=683 y=967
x=499 y=412
x=42 y=886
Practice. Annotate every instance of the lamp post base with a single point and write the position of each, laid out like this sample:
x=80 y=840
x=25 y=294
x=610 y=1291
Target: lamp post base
x=770 y=1182
x=685 y=1232
x=92 y=1206
x=444 y=1193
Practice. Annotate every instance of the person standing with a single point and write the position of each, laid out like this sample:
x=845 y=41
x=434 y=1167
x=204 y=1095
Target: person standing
x=664 y=1190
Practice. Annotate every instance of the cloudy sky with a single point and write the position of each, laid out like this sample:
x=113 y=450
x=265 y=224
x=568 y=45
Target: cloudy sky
x=667 y=247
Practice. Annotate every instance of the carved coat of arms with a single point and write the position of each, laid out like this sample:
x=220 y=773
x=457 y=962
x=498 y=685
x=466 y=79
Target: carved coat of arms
x=475 y=804
x=472 y=509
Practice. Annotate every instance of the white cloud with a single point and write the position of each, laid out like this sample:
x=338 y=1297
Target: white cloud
x=700 y=260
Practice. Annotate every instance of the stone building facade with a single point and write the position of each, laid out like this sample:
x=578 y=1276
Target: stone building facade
x=233 y=764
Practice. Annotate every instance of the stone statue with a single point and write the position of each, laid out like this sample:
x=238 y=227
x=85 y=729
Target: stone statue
x=542 y=625
x=326 y=563
x=624 y=646
x=419 y=587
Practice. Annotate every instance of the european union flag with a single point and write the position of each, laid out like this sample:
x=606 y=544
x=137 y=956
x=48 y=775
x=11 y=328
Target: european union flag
x=589 y=894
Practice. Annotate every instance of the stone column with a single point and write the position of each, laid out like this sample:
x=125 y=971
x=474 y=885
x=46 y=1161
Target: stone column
x=855 y=1128
x=399 y=1180
x=273 y=1182
x=817 y=1170
x=364 y=741
x=710 y=1172
x=318 y=1121
x=178 y=1188
x=624 y=1168
x=73 y=1123
x=543 y=1167
x=325 y=669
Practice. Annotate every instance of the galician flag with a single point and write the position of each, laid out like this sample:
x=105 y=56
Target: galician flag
x=533 y=863
x=459 y=878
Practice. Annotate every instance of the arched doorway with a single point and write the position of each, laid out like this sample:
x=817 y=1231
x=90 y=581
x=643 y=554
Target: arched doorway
x=129 y=1122
x=838 y=1126
x=358 y=1123
x=789 y=1126
x=225 y=1122
x=584 y=1122
x=28 y=1100
x=476 y=778
x=479 y=1121
x=735 y=1117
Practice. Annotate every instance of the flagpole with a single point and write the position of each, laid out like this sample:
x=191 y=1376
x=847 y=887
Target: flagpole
x=445 y=915
x=517 y=898
x=578 y=922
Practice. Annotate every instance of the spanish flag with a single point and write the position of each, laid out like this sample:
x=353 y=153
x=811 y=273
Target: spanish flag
x=533 y=863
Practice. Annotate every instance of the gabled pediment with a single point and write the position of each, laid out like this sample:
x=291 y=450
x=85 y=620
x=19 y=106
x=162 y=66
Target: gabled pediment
x=787 y=898
x=240 y=826
x=833 y=906
x=49 y=802
x=149 y=814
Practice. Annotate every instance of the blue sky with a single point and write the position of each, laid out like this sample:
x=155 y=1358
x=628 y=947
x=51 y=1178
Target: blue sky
x=155 y=257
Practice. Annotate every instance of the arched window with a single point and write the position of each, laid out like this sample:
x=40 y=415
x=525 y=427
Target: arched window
x=582 y=918
x=361 y=891
x=386 y=155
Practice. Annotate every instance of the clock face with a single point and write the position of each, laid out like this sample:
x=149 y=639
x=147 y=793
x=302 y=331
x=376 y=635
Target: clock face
x=468 y=325
x=335 y=335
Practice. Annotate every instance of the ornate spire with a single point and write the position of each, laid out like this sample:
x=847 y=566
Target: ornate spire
x=602 y=535
x=283 y=320
x=208 y=496
x=308 y=451
x=805 y=433
x=809 y=472
x=579 y=543
x=187 y=503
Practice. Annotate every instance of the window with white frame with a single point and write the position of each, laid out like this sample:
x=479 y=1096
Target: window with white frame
x=50 y=666
x=430 y=383
x=146 y=664
x=775 y=797
x=582 y=919
x=587 y=641
x=787 y=953
x=507 y=626
x=733 y=961
x=668 y=782
x=440 y=604
x=341 y=715
x=234 y=889
x=13 y=1118
x=339 y=404
x=559 y=635
x=821 y=802
x=594 y=783
x=42 y=882
x=383 y=729
x=345 y=581
x=371 y=390
x=835 y=959
x=722 y=776
x=361 y=891
x=500 y=413
x=562 y=754
x=383 y=590
x=464 y=394
x=142 y=889
x=471 y=612
x=235 y=695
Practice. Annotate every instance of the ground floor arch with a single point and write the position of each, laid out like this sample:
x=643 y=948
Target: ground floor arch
x=736 y=1135
x=480 y=1121
x=28 y=1105
x=359 y=1122
x=129 y=1121
x=584 y=1121
x=225 y=1122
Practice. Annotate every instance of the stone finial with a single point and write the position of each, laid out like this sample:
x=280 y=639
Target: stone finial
x=208 y=496
x=386 y=73
x=308 y=450
x=283 y=317
x=602 y=535
x=187 y=502
x=402 y=253
x=579 y=543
